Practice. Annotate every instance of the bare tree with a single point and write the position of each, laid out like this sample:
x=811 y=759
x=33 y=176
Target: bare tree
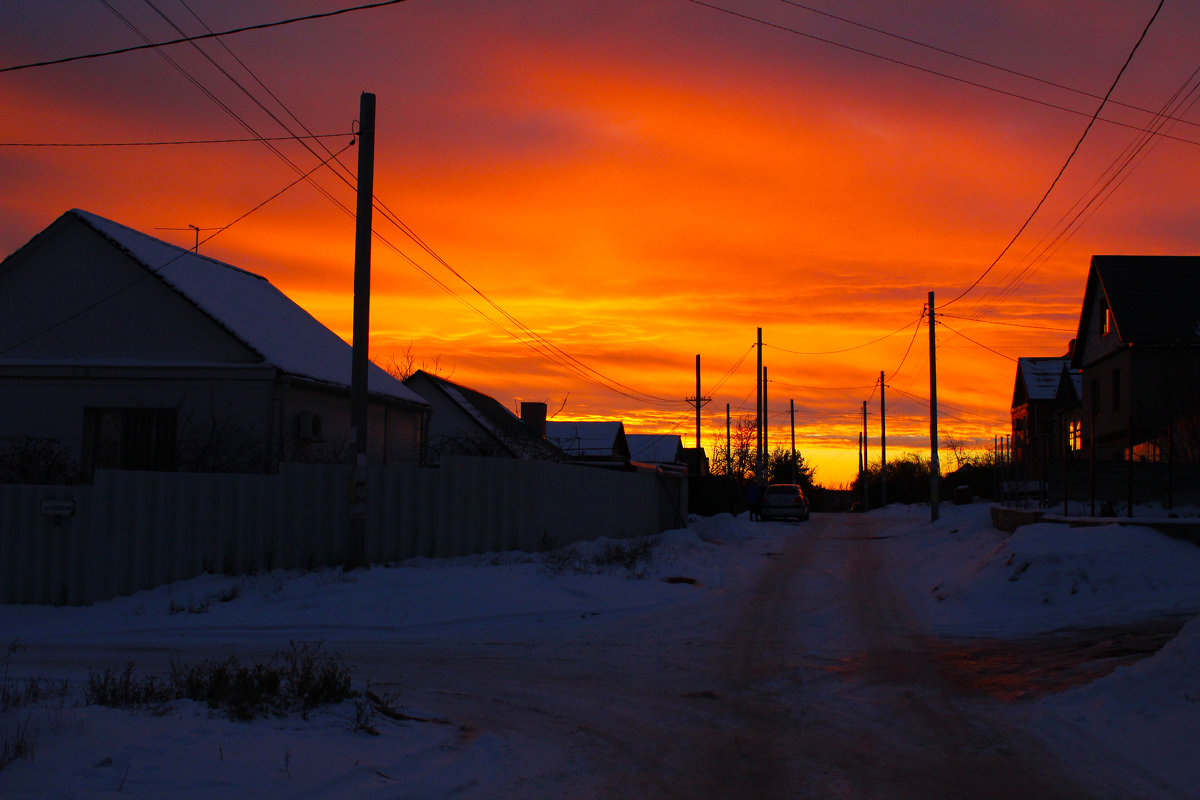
x=403 y=366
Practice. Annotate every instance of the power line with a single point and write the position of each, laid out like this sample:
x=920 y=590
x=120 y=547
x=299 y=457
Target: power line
x=185 y=39
x=924 y=401
x=926 y=70
x=1103 y=188
x=539 y=344
x=818 y=388
x=943 y=315
x=843 y=350
x=979 y=344
x=1066 y=163
x=907 y=350
x=175 y=143
x=973 y=60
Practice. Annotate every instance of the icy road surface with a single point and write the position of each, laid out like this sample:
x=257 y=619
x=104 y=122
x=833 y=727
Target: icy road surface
x=752 y=661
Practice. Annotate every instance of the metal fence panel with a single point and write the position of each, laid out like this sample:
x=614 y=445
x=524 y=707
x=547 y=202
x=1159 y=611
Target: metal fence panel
x=131 y=531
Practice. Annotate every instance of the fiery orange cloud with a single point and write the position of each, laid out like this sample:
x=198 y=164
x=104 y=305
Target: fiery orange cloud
x=642 y=187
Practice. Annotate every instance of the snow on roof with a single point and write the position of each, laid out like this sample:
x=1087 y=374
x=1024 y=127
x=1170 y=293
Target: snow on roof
x=654 y=448
x=585 y=438
x=252 y=309
x=1041 y=376
x=490 y=414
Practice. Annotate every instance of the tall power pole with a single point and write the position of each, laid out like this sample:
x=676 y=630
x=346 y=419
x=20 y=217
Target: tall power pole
x=935 y=469
x=758 y=443
x=728 y=452
x=882 y=445
x=792 y=406
x=698 y=401
x=357 y=546
x=766 y=457
x=866 y=461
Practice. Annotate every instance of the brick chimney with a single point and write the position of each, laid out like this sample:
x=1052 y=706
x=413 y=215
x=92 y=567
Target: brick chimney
x=534 y=415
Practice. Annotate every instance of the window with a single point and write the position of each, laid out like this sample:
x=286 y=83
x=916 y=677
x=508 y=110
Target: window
x=1076 y=434
x=1106 y=318
x=129 y=438
x=1116 y=389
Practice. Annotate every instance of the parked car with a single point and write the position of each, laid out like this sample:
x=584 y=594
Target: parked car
x=784 y=500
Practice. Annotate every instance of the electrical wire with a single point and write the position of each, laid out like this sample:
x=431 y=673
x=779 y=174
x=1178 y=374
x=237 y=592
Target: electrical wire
x=175 y=143
x=843 y=350
x=1181 y=102
x=943 y=315
x=185 y=39
x=1066 y=163
x=540 y=345
x=977 y=61
x=926 y=70
x=907 y=350
x=978 y=344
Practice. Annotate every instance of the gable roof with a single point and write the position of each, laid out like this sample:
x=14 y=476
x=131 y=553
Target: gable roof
x=504 y=426
x=1070 y=387
x=1037 y=379
x=260 y=316
x=655 y=448
x=600 y=439
x=1154 y=300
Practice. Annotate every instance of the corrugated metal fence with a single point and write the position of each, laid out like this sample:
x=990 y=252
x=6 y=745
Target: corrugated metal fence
x=136 y=530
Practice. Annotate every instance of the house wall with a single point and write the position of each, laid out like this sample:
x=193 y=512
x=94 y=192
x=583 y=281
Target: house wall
x=450 y=427
x=109 y=307
x=223 y=415
x=1097 y=345
x=1107 y=403
x=394 y=431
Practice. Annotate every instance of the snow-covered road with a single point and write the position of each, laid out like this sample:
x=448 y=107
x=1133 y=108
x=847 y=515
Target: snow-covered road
x=751 y=692
x=750 y=661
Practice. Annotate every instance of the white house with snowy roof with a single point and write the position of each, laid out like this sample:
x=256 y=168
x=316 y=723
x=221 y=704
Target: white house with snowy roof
x=656 y=448
x=594 y=441
x=133 y=353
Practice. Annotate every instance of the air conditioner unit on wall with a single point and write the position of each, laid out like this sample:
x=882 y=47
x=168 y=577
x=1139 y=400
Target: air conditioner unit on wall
x=308 y=426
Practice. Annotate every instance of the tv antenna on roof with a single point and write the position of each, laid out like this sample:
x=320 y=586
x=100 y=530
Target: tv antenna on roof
x=196 y=246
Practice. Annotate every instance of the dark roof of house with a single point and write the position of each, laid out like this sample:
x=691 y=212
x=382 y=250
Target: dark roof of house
x=506 y=427
x=1155 y=300
x=655 y=448
x=1037 y=379
x=589 y=439
x=256 y=313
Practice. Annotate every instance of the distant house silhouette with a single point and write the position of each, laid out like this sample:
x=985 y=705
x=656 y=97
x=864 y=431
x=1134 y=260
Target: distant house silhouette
x=590 y=441
x=137 y=354
x=470 y=423
x=1035 y=413
x=656 y=448
x=1138 y=351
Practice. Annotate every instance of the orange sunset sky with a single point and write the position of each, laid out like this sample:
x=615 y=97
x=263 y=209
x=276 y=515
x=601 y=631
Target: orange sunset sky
x=636 y=183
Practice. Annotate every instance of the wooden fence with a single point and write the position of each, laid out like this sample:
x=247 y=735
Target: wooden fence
x=130 y=531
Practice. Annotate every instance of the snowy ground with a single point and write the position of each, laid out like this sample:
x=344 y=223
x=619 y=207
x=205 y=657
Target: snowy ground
x=744 y=659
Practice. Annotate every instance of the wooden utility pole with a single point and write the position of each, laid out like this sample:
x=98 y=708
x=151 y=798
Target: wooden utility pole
x=861 y=477
x=792 y=405
x=728 y=452
x=935 y=469
x=765 y=478
x=882 y=445
x=698 y=401
x=866 y=461
x=356 y=551
x=758 y=441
